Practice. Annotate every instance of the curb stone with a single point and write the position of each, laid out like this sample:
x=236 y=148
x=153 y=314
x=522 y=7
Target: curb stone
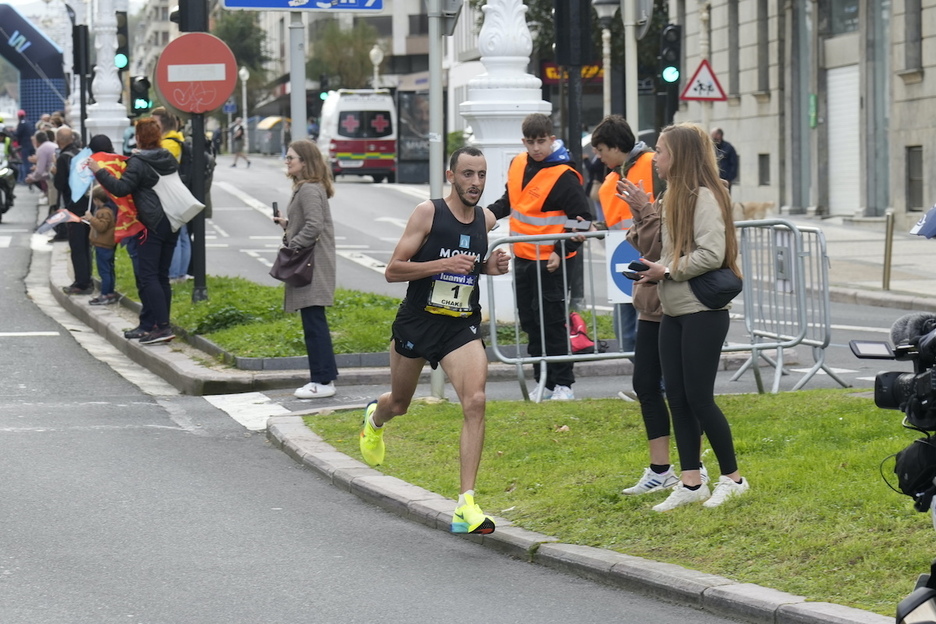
x=666 y=581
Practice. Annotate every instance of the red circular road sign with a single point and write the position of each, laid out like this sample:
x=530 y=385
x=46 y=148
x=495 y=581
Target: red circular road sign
x=196 y=73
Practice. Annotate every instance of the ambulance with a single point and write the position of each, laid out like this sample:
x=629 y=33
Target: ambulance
x=358 y=133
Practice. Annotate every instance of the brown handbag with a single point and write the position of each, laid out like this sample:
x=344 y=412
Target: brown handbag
x=294 y=266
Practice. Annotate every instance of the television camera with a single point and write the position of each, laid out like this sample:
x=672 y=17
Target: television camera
x=914 y=394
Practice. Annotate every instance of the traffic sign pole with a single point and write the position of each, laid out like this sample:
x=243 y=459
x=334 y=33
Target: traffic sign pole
x=297 y=97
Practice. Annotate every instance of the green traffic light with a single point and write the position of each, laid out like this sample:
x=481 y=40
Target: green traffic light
x=121 y=61
x=323 y=95
x=670 y=74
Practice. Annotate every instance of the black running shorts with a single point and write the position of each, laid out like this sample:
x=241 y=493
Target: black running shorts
x=431 y=336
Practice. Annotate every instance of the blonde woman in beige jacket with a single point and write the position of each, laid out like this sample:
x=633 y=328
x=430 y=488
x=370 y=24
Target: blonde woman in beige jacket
x=698 y=237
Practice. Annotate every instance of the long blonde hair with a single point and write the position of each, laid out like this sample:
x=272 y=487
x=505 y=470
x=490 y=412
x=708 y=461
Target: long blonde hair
x=314 y=168
x=693 y=166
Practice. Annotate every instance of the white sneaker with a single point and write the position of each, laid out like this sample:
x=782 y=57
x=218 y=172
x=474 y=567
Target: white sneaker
x=683 y=496
x=314 y=390
x=725 y=489
x=652 y=482
x=704 y=473
x=538 y=397
x=562 y=393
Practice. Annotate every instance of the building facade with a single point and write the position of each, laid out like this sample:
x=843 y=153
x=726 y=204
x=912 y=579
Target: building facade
x=826 y=100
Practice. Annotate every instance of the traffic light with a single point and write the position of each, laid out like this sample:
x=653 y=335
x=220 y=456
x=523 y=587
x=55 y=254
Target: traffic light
x=670 y=53
x=323 y=86
x=140 y=95
x=122 y=57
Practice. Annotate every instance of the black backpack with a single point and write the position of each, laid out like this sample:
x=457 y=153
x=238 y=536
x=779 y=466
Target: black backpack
x=186 y=164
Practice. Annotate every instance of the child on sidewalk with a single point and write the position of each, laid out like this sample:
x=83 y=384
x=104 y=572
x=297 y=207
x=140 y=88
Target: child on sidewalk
x=102 y=221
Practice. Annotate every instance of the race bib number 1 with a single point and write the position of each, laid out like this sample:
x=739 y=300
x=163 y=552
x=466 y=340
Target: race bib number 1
x=450 y=294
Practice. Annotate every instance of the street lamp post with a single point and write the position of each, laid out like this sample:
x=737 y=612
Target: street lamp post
x=244 y=74
x=376 y=58
x=606 y=10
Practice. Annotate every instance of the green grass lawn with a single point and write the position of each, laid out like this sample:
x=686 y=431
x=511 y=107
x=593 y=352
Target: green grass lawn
x=818 y=520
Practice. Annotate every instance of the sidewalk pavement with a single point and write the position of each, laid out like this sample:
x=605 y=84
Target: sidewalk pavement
x=856 y=275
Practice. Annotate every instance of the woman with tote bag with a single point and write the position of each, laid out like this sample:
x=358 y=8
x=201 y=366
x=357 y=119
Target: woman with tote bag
x=309 y=223
x=156 y=241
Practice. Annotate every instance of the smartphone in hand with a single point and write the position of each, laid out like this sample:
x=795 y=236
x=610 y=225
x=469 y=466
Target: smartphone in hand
x=576 y=225
x=276 y=212
x=634 y=269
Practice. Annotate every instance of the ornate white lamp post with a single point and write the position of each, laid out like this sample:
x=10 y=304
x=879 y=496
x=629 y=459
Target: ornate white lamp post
x=106 y=116
x=244 y=74
x=606 y=10
x=376 y=58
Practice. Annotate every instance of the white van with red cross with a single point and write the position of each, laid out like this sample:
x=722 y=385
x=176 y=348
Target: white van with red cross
x=358 y=133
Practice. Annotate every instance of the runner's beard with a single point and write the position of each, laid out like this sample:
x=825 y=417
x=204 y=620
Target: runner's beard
x=463 y=195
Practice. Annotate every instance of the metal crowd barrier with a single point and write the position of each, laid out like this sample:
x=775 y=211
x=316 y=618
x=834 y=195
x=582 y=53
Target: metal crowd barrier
x=785 y=296
x=589 y=314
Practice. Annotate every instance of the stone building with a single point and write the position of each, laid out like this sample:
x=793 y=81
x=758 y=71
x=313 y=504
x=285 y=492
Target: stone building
x=826 y=101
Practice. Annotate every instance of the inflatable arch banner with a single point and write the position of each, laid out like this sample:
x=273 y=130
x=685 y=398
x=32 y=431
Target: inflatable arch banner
x=39 y=61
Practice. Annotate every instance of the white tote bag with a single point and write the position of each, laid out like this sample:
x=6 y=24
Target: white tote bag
x=177 y=201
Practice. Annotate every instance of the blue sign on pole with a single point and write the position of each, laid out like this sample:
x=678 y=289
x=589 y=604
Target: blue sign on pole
x=620 y=254
x=305 y=5
x=229 y=107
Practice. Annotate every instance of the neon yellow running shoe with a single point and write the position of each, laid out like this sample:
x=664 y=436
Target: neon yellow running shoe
x=372 y=444
x=470 y=519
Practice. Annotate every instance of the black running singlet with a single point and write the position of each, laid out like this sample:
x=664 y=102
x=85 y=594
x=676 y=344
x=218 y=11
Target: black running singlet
x=448 y=294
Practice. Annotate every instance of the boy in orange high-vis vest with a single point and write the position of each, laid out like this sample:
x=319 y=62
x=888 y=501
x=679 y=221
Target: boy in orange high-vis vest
x=544 y=190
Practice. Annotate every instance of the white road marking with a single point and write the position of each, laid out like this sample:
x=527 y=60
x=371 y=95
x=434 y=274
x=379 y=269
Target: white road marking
x=28 y=334
x=37 y=287
x=395 y=221
x=252 y=202
x=364 y=260
x=251 y=409
x=419 y=192
x=5 y=241
x=875 y=330
x=255 y=254
x=276 y=238
x=837 y=371
x=221 y=232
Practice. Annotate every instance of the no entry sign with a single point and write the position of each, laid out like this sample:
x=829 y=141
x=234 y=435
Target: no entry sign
x=196 y=73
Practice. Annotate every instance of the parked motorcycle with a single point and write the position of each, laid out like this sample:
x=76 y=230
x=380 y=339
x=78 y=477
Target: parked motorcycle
x=8 y=174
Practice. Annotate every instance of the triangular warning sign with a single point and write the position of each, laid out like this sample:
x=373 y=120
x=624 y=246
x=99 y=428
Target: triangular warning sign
x=704 y=85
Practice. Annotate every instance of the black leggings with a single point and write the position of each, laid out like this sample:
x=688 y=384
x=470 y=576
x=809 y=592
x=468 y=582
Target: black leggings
x=690 y=349
x=648 y=380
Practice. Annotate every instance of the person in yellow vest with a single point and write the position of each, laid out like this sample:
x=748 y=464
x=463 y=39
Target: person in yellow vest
x=544 y=190
x=617 y=148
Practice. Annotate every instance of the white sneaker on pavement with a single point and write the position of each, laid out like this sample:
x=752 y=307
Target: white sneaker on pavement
x=652 y=482
x=313 y=390
x=683 y=496
x=725 y=489
x=562 y=393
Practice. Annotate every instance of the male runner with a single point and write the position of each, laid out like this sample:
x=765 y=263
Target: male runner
x=441 y=255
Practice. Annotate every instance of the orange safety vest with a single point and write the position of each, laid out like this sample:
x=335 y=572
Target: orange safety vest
x=617 y=211
x=526 y=207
